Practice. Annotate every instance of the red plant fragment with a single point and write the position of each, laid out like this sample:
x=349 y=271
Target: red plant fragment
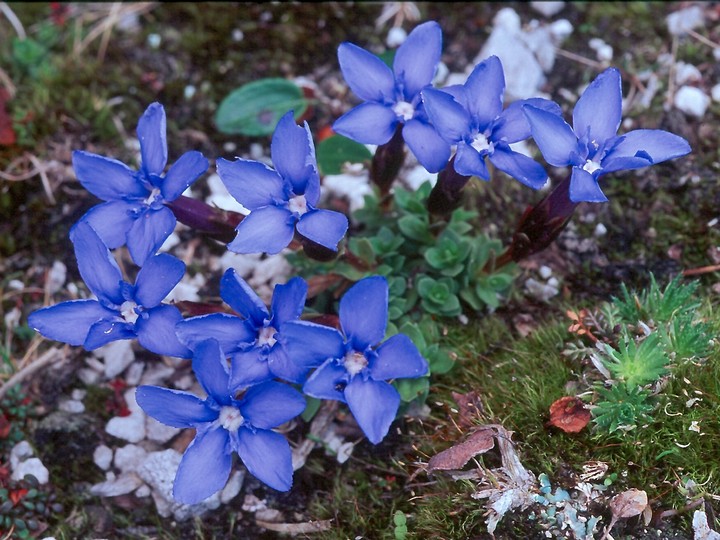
x=7 y=134
x=17 y=495
x=4 y=426
x=569 y=414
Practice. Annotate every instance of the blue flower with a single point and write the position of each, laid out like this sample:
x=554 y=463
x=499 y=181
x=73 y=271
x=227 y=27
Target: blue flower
x=471 y=115
x=122 y=310
x=254 y=341
x=592 y=145
x=225 y=424
x=392 y=97
x=281 y=200
x=134 y=212
x=354 y=369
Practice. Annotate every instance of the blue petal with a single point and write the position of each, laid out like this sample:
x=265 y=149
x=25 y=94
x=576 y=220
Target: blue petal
x=323 y=227
x=153 y=144
x=98 y=268
x=374 y=405
x=417 y=58
x=251 y=183
x=231 y=332
x=512 y=126
x=366 y=75
x=107 y=330
x=364 y=312
x=292 y=152
x=183 y=173
x=398 y=358
x=484 y=90
x=204 y=468
x=450 y=119
x=240 y=296
x=267 y=456
x=108 y=179
x=248 y=368
x=212 y=372
x=268 y=229
x=310 y=344
x=428 y=147
x=284 y=367
x=157 y=278
x=368 y=123
x=598 y=112
x=644 y=147
x=469 y=162
x=584 y=187
x=271 y=404
x=112 y=221
x=553 y=136
x=288 y=301
x=519 y=166
x=327 y=382
x=156 y=331
x=149 y=232
x=69 y=322
x=174 y=407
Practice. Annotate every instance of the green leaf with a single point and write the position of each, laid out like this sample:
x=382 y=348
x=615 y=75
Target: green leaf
x=335 y=151
x=410 y=389
x=255 y=108
x=312 y=407
x=415 y=228
x=363 y=249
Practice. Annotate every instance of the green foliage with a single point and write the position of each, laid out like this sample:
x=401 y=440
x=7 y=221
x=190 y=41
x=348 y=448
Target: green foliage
x=336 y=151
x=686 y=338
x=400 y=523
x=622 y=408
x=637 y=365
x=656 y=305
x=255 y=108
x=25 y=508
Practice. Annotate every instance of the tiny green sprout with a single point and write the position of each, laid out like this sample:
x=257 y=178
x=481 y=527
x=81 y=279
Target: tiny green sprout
x=621 y=408
x=656 y=305
x=637 y=365
x=400 y=521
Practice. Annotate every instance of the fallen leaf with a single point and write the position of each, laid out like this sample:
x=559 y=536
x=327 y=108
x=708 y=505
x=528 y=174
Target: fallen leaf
x=469 y=407
x=629 y=503
x=7 y=134
x=569 y=414
x=4 y=426
x=455 y=457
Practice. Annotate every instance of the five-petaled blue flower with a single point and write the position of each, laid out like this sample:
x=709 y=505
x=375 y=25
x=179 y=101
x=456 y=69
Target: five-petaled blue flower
x=225 y=424
x=592 y=145
x=354 y=369
x=254 y=342
x=134 y=212
x=122 y=310
x=281 y=200
x=471 y=115
x=392 y=97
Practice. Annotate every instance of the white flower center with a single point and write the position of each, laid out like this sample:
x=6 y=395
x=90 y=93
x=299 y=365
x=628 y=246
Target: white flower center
x=298 y=205
x=230 y=418
x=266 y=336
x=591 y=166
x=127 y=310
x=355 y=362
x=404 y=110
x=480 y=143
x=154 y=195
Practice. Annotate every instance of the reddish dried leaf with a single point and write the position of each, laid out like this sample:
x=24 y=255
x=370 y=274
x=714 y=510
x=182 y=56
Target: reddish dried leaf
x=17 y=495
x=469 y=407
x=629 y=503
x=7 y=134
x=455 y=457
x=4 y=426
x=569 y=414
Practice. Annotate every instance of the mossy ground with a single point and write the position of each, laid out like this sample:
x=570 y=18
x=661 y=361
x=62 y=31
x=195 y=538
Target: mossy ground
x=658 y=220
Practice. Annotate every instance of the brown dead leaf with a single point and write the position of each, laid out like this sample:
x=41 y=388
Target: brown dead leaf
x=455 y=457
x=629 y=503
x=569 y=414
x=469 y=408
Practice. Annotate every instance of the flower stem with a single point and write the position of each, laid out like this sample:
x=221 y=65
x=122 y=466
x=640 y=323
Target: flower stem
x=217 y=223
x=387 y=161
x=447 y=193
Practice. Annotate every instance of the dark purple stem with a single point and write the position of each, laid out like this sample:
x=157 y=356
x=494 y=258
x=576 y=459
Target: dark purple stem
x=202 y=217
x=447 y=193
x=387 y=161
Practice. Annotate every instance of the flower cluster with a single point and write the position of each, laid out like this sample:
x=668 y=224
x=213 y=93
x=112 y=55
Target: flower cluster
x=246 y=358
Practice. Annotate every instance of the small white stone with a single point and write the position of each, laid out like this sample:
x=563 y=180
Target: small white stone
x=396 y=37
x=189 y=91
x=78 y=394
x=545 y=272
x=220 y=196
x=170 y=242
x=154 y=40
x=554 y=283
x=122 y=485
x=539 y=290
x=351 y=186
x=561 y=29
x=20 y=452
x=15 y=285
x=56 y=277
x=679 y=22
x=237 y=35
x=159 y=432
x=600 y=230
x=417 y=176
x=507 y=19
x=71 y=406
x=134 y=373
x=715 y=92
x=156 y=374
x=687 y=73
x=233 y=487
x=548 y=9
x=185 y=382
x=143 y=491
x=605 y=53
x=88 y=376
x=22 y=463
x=692 y=101
x=103 y=456
x=12 y=318
x=716 y=53
x=130 y=457
x=117 y=355
x=128 y=428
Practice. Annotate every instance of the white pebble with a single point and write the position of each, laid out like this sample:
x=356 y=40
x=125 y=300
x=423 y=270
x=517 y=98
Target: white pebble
x=561 y=29
x=545 y=272
x=692 y=101
x=130 y=457
x=56 y=277
x=600 y=230
x=715 y=92
x=72 y=406
x=548 y=9
x=237 y=35
x=154 y=40
x=679 y=22
x=686 y=73
x=396 y=37
x=103 y=457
